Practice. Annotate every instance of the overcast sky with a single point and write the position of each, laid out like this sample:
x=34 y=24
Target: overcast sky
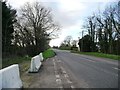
x=70 y=14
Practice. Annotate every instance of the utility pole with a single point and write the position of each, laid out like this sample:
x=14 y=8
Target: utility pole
x=82 y=41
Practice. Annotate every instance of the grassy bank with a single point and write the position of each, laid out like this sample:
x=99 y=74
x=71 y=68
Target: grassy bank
x=103 y=55
x=24 y=65
x=16 y=60
x=48 y=54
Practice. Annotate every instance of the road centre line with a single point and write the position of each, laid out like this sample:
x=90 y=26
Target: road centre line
x=57 y=76
x=72 y=86
x=68 y=80
x=61 y=87
x=55 y=72
x=91 y=60
x=58 y=61
x=58 y=81
x=63 y=70
x=53 y=60
x=65 y=75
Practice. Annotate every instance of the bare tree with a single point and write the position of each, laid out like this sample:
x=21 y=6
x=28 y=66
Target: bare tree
x=68 y=40
x=90 y=25
x=116 y=19
x=107 y=28
x=74 y=42
x=36 y=26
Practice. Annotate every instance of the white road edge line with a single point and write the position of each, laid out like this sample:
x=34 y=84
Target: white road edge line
x=65 y=75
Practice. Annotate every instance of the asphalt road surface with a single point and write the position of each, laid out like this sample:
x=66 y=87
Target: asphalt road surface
x=90 y=71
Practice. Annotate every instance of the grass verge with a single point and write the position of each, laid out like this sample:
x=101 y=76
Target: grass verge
x=16 y=60
x=24 y=65
x=103 y=55
x=48 y=53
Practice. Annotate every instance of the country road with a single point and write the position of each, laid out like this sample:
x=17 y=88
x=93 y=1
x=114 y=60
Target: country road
x=89 y=71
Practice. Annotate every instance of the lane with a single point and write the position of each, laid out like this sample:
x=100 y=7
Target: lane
x=96 y=72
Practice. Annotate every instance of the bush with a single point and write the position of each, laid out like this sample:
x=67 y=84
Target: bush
x=74 y=48
x=48 y=53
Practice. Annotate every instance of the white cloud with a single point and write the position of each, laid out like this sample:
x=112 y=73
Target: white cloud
x=67 y=4
x=71 y=5
x=69 y=13
x=18 y=3
x=72 y=30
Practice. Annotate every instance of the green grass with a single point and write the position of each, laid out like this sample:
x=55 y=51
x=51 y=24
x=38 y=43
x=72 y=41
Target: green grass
x=19 y=60
x=103 y=55
x=16 y=60
x=48 y=54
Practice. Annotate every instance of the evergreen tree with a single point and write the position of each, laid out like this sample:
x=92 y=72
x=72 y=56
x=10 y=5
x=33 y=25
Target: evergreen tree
x=8 y=19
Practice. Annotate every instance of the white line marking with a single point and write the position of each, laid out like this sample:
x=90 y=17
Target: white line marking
x=61 y=68
x=55 y=68
x=53 y=60
x=58 y=81
x=55 y=72
x=57 y=76
x=116 y=68
x=68 y=81
x=91 y=61
x=58 y=61
x=61 y=87
x=72 y=86
x=66 y=75
x=54 y=63
x=64 y=72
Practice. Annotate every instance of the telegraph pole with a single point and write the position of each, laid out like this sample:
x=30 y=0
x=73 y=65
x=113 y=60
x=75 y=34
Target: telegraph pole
x=82 y=41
